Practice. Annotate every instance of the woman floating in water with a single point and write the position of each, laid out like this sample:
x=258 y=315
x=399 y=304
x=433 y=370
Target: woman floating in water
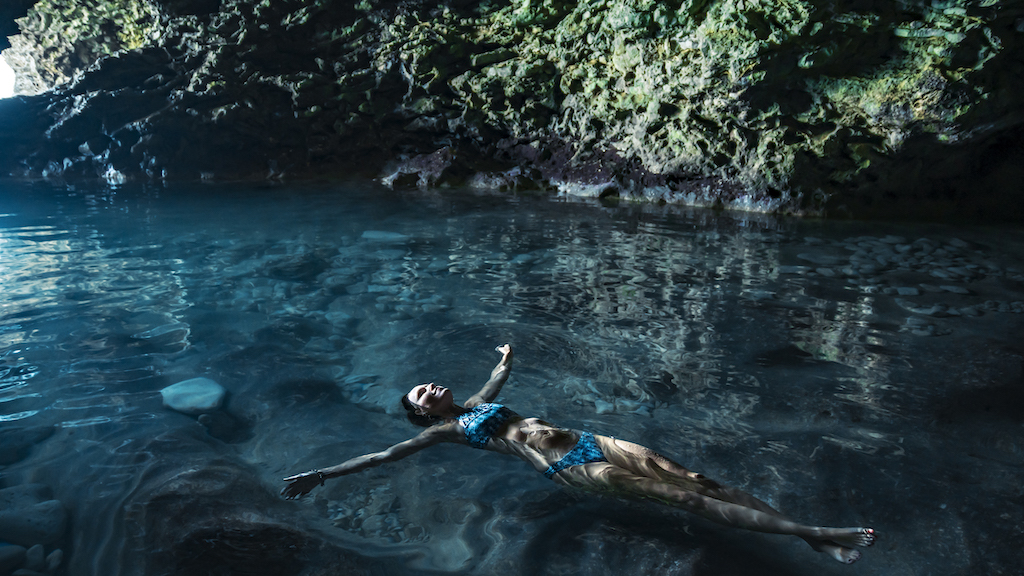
x=581 y=460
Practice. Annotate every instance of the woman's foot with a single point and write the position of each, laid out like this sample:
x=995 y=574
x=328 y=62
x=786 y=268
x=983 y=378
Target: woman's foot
x=839 y=542
x=840 y=553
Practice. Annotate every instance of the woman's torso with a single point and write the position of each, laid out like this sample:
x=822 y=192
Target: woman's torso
x=551 y=449
x=540 y=443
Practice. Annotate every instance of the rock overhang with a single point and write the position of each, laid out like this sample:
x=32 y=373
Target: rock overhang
x=854 y=109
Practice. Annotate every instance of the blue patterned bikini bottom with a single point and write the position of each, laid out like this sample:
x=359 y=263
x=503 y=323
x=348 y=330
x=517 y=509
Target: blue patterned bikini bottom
x=585 y=451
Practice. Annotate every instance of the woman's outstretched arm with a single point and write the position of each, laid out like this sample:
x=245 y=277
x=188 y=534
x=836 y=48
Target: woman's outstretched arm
x=498 y=377
x=302 y=484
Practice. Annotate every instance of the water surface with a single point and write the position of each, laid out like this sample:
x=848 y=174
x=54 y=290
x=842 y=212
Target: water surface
x=847 y=373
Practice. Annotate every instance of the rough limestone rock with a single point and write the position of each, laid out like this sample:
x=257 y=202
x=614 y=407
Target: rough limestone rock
x=194 y=396
x=860 y=107
x=74 y=34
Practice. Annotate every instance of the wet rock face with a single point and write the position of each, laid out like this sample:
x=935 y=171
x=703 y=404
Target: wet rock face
x=854 y=107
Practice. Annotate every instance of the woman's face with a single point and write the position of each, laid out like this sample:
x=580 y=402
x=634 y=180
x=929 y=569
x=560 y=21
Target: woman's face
x=433 y=399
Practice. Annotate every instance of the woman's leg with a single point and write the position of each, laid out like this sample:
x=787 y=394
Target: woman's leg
x=643 y=461
x=607 y=477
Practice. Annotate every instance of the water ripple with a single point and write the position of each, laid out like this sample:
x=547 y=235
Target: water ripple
x=18 y=416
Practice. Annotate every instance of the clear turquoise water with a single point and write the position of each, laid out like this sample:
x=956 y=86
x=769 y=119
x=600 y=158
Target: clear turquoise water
x=848 y=373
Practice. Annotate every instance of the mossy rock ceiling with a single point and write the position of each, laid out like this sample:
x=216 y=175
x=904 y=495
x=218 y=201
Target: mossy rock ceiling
x=851 y=106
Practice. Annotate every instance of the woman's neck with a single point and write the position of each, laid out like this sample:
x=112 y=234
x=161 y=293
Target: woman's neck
x=454 y=412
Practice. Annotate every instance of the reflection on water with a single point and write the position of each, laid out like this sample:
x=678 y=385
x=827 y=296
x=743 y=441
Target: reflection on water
x=848 y=373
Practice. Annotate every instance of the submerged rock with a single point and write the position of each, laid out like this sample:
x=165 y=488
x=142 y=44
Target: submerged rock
x=54 y=560
x=384 y=236
x=35 y=558
x=216 y=517
x=303 y=267
x=225 y=427
x=26 y=519
x=15 y=443
x=11 y=557
x=194 y=396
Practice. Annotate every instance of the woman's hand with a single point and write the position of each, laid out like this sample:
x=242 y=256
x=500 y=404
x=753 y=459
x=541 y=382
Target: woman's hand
x=302 y=484
x=505 y=363
x=498 y=377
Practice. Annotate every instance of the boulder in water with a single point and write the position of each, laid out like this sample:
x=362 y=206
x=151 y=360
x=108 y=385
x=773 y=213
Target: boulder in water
x=194 y=396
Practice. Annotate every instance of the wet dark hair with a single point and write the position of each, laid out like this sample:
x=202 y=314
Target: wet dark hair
x=412 y=412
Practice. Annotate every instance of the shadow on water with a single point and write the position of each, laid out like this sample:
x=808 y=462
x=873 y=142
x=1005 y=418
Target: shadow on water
x=1004 y=402
x=588 y=538
x=993 y=401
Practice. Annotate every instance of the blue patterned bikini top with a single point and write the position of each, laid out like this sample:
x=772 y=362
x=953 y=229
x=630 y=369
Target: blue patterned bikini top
x=482 y=421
